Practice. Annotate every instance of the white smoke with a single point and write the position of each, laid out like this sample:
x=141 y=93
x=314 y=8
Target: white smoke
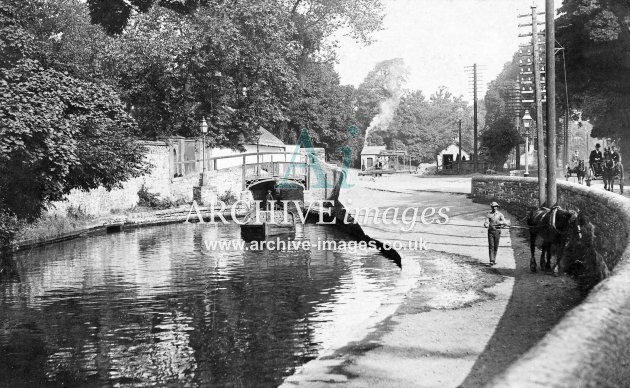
x=392 y=77
x=382 y=120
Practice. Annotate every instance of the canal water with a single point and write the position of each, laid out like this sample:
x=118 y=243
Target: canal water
x=155 y=306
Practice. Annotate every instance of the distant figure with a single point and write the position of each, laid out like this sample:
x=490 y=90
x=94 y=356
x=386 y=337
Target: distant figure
x=614 y=154
x=268 y=200
x=575 y=158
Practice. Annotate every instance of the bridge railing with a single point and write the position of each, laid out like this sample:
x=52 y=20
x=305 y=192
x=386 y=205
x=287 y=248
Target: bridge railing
x=231 y=161
x=275 y=170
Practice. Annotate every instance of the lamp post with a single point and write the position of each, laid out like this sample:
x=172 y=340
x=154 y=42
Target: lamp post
x=527 y=122
x=204 y=130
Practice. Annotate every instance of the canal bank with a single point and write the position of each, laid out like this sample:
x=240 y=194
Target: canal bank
x=463 y=322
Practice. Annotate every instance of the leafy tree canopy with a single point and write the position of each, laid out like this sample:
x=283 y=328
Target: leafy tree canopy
x=500 y=135
x=57 y=132
x=424 y=126
x=596 y=37
x=324 y=107
x=239 y=64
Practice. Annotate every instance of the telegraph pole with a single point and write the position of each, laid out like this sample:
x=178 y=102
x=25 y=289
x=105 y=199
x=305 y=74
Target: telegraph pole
x=459 y=164
x=475 y=117
x=552 y=195
x=540 y=130
x=534 y=90
x=514 y=106
x=474 y=69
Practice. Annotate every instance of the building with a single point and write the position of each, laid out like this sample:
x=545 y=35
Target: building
x=449 y=156
x=370 y=155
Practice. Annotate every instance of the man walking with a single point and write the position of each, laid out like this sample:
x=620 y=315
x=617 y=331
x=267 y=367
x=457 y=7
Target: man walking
x=494 y=221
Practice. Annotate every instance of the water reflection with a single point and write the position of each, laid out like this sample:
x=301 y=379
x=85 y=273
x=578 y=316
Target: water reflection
x=154 y=306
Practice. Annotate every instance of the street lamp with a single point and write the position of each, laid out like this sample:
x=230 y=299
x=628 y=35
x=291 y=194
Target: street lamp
x=527 y=122
x=204 y=130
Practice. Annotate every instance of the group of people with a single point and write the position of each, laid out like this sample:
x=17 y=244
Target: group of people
x=596 y=156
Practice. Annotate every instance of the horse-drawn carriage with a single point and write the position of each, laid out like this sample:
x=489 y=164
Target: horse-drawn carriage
x=607 y=170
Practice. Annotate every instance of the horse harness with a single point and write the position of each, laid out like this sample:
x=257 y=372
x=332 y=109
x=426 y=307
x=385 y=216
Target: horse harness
x=552 y=220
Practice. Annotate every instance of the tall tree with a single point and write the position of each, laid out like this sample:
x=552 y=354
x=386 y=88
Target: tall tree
x=325 y=108
x=500 y=135
x=423 y=127
x=57 y=132
x=596 y=37
x=241 y=64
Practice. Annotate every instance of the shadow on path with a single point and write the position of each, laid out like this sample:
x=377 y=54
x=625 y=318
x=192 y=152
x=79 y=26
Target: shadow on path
x=538 y=303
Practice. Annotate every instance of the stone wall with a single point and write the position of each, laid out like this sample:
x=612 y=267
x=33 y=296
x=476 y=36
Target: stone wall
x=227 y=180
x=603 y=209
x=101 y=201
x=589 y=347
x=161 y=181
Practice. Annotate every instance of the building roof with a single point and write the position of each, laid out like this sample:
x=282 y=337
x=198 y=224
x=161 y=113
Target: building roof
x=393 y=153
x=268 y=139
x=456 y=146
x=372 y=150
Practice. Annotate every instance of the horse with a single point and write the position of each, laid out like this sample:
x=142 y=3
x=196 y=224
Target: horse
x=554 y=226
x=612 y=170
x=579 y=171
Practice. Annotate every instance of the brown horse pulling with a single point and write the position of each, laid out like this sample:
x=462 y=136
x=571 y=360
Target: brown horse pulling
x=555 y=226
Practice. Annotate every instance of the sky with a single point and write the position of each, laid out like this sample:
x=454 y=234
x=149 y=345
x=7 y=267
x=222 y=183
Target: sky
x=438 y=39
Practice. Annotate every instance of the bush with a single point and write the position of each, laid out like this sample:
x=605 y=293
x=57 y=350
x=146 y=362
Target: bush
x=228 y=197
x=76 y=213
x=151 y=200
x=8 y=228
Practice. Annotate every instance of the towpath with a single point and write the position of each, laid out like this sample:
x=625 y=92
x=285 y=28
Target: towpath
x=462 y=322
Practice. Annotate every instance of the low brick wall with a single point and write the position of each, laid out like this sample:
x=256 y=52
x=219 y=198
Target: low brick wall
x=589 y=347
